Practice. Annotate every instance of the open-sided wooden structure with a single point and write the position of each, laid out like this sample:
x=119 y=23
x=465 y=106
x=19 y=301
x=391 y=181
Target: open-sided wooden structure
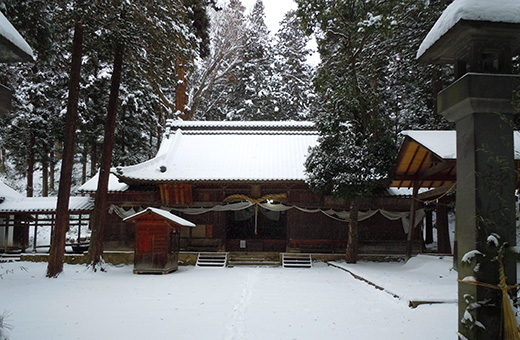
x=157 y=240
x=18 y=214
x=427 y=160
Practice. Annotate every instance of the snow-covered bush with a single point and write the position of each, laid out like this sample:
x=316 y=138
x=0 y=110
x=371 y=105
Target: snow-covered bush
x=5 y=327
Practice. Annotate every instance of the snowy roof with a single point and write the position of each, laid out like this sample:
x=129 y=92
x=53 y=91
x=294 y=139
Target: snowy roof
x=45 y=204
x=163 y=213
x=13 y=46
x=444 y=143
x=240 y=125
x=114 y=185
x=7 y=193
x=441 y=143
x=505 y=11
x=228 y=151
x=429 y=158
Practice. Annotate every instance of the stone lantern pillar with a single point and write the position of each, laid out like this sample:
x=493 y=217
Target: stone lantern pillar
x=480 y=102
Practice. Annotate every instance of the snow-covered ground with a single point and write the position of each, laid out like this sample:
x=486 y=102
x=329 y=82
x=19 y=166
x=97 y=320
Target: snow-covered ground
x=241 y=303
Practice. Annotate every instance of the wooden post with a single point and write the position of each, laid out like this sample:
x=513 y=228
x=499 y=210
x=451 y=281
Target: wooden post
x=443 y=233
x=352 y=245
x=256 y=219
x=35 y=236
x=413 y=210
x=79 y=229
x=428 y=239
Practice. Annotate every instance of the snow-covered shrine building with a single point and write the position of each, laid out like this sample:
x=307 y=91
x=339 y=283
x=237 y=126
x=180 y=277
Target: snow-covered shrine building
x=243 y=185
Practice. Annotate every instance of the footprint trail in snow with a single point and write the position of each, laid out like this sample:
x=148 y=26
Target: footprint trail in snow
x=236 y=325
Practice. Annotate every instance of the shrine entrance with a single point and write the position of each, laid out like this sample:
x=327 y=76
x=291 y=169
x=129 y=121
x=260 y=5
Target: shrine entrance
x=256 y=229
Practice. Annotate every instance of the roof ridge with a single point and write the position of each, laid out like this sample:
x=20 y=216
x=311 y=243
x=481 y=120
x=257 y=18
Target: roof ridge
x=242 y=124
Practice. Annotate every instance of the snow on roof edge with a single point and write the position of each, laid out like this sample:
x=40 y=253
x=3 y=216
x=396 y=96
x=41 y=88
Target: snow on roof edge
x=164 y=213
x=9 y=193
x=8 y=31
x=114 y=185
x=477 y=10
x=245 y=124
x=46 y=204
x=447 y=148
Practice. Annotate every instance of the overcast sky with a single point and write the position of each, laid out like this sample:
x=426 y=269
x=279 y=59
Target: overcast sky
x=274 y=11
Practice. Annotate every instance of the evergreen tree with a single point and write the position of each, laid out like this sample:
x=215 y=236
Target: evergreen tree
x=31 y=130
x=146 y=40
x=356 y=149
x=292 y=80
x=369 y=88
x=247 y=75
x=252 y=99
x=214 y=80
x=411 y=92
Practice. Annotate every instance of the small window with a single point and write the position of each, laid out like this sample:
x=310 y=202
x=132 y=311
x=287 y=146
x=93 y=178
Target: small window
x=490 y=61
x=199 y=231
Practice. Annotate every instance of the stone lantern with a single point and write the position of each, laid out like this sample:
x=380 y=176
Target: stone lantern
x=480 y=38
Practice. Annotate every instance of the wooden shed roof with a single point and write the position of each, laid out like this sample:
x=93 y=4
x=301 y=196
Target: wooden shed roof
x=429 y=159
x=162 y=214
x=422 y=159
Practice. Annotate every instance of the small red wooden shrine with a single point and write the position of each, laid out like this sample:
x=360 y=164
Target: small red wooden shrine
x=157 y=240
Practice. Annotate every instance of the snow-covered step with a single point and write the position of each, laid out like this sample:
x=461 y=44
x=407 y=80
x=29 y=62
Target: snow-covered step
x=9 y=258
x=212 y=260
x=296 y=260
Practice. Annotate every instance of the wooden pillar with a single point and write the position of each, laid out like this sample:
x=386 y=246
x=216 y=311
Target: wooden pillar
x=35 y=237
x=35 y=241
x=413 y=211
x=443 y=230
x=79 y=229
x=428 y=238
x=352 y=244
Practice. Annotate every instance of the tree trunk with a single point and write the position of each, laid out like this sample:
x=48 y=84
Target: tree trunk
x=2 y=161
x=84 y=158
x=93 y=159
x=98 y=219
x=52 y=167
x=55 y=265
x=30 y=165
x=45 y=178
x=352 y=246
x=181 y=97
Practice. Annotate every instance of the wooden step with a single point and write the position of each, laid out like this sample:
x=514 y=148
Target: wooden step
x=218 y=260
x=254 y=259
x=291 y=260
x=4 y=258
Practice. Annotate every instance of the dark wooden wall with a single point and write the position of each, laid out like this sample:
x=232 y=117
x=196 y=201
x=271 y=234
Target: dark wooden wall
x=321 y=231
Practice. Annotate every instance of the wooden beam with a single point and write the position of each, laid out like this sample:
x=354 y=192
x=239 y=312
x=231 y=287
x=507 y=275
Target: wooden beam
x=435 y=169
x=434 y=193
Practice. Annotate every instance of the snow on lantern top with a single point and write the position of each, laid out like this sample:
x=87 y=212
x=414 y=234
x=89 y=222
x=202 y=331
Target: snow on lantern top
x=475 y=35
